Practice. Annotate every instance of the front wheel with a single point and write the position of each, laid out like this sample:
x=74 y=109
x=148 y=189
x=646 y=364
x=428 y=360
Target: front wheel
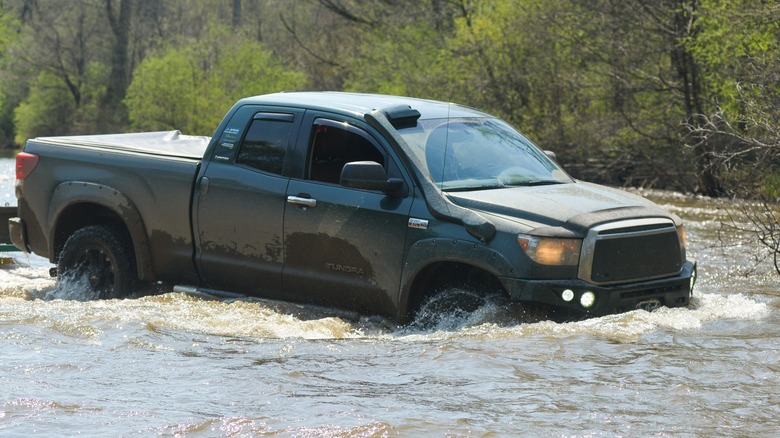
x=98 y=258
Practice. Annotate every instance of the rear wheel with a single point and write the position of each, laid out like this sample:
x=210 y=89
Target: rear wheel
x=99 y=258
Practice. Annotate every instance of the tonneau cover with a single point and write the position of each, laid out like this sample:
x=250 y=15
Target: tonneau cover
x=165 y=143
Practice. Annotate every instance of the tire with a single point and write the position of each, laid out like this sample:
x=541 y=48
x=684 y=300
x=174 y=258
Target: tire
x=454 y=300
x=447 y=309
x=99 y=259
x=450 y=296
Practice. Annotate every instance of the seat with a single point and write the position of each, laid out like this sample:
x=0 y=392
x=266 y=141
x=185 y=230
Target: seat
x=327 y=157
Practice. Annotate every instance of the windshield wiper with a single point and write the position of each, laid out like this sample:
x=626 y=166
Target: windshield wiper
x=470 y=188
x=531 y=183
x=538 y=182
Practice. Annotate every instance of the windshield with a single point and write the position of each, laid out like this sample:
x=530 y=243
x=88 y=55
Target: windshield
x=479 y=153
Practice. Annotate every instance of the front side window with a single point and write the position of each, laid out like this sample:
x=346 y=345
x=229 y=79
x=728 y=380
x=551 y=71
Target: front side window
x=265 y=144
x=479 y=153
x=335 y=144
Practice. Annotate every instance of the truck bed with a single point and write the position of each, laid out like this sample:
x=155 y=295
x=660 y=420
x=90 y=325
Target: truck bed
x=141 y=175
x=163 y=143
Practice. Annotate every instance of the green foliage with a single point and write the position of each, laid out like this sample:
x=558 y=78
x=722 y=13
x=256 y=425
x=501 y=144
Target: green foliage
x=164 y=92
x=504 y=58
x=190 y=88
x=50 y=109
x=404 y=65
x=610 y=86
x=737 y=43
x=10 y=90
x=47 y=110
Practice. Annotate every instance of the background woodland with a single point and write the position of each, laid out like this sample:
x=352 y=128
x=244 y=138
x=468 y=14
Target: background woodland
x=672 y=94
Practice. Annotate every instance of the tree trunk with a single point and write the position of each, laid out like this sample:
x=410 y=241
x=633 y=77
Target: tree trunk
x=692 y=89
x=236 y=13
x=120 y=27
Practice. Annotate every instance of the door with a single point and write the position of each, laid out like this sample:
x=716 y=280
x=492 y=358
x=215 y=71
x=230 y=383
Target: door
x=241 y=202
x=343 y=247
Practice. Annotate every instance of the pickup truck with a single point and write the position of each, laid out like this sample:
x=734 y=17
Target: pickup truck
x=370 y=203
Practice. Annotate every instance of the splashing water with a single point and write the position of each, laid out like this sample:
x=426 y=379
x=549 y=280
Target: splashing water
x=182 y=365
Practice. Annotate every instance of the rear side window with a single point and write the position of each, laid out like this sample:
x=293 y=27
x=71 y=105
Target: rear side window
x=265 y=144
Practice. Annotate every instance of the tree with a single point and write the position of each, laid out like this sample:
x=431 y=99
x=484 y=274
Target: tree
x=60 y=46
x=11 y=93
x=190 y=88
x=119 y=23
x=49 y=93
x=691 y=84
x=739 y=46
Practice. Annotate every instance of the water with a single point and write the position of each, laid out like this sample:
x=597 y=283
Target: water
x=176 y=365
x=7 y=176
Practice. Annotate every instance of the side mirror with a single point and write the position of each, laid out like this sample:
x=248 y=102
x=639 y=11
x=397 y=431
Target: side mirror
x=370 y=175
x=551 y=154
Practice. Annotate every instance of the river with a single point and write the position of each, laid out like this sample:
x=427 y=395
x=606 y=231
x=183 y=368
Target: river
x=176 y=365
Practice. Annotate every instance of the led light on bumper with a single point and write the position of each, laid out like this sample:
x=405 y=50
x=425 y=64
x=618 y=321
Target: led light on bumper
x=588 y=299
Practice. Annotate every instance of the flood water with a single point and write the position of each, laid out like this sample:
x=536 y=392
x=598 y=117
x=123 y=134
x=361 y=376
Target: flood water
x=177 y=365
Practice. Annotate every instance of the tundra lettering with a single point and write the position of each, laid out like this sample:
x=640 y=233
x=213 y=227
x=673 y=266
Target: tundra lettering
x=344 y=268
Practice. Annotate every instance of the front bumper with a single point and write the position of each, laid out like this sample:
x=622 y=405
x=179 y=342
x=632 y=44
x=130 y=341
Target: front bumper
x=566 y=295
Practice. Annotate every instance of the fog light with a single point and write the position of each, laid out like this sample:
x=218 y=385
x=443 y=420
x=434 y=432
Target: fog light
x=588 y=299
x=567 y=295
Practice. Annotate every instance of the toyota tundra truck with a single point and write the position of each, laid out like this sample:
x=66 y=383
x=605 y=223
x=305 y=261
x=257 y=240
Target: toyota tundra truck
x=364 y=202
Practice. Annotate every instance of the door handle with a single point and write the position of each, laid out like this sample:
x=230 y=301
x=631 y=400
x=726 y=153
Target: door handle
x=306 y=202
x=204 y=186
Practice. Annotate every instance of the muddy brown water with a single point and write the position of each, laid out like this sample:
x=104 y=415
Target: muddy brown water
x=177 y=365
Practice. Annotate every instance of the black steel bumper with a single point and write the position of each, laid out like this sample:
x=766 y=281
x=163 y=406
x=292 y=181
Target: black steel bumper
x=567 y=294
x=18 y=233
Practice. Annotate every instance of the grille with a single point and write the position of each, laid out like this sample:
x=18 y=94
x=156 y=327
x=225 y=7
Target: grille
x=631 y=250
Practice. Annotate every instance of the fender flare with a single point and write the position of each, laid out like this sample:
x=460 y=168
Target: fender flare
x=427 y=252
x=73 y=193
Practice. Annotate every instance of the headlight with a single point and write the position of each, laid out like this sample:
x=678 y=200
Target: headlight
x=681 y=234
x=551 y=250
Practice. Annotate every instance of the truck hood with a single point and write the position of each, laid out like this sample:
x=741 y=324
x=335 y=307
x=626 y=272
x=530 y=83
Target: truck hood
x=576 y=206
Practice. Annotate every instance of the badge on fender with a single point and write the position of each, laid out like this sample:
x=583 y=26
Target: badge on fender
x=420 y=224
